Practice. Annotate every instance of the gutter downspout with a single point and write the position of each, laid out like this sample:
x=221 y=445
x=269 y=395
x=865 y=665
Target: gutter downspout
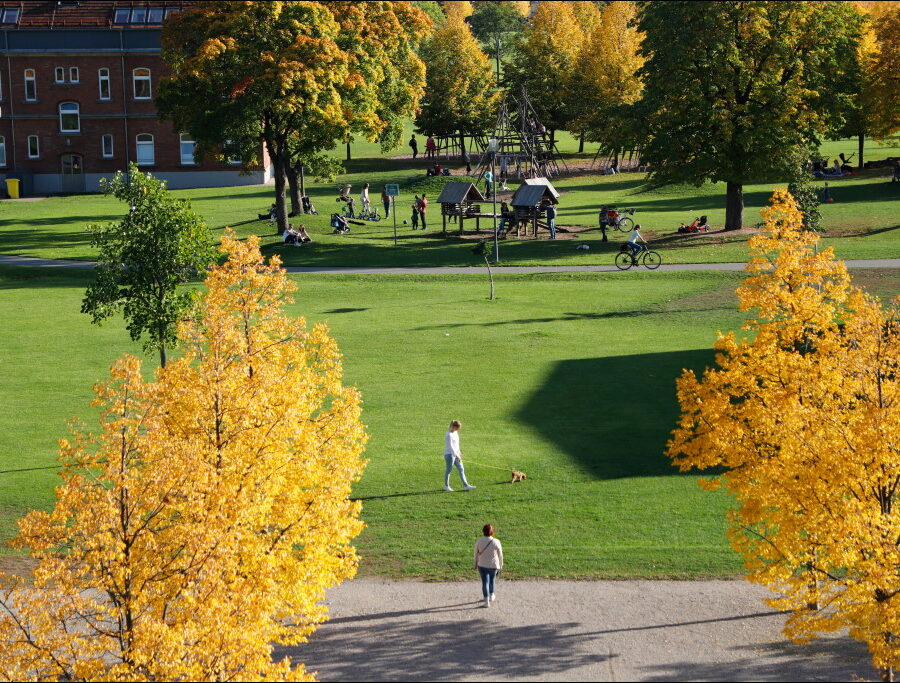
x=9 y=88
x=124 y=102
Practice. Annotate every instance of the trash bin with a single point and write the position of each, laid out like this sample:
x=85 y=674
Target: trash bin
x=12 y=188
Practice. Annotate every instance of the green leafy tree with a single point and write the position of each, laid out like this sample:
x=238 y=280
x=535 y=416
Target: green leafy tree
x=735 y=104
x=281 y=72
x=159 y=245
x=432 y=9
x=497 y=25
x=459 y=95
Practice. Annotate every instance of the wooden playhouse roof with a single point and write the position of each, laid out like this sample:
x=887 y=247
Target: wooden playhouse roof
x=458 y=192
x=542 y=181
x=532 y=195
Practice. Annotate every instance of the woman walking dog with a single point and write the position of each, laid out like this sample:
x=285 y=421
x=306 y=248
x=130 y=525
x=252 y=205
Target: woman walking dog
x=453 y=456
x=488 y=562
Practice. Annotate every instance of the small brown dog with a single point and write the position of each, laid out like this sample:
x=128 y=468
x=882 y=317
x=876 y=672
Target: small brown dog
x=518 y=476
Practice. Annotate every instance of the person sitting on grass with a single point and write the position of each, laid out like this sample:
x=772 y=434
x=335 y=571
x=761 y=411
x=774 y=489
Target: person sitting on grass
x=633 y=241
x=453 y=456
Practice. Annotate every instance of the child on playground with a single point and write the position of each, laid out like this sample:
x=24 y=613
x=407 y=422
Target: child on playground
x=453 y=456
x=415 y=213
x=488 y=562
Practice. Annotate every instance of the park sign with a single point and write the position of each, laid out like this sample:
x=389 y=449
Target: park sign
x=392 y=190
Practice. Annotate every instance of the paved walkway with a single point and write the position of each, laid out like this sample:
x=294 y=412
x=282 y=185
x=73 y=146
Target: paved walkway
x=566 y=630
x=450 y=270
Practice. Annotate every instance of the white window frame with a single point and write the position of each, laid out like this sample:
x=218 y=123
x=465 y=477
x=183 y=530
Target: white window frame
x=69 y=112
x=134 y=82
x=230 y=159
x=160 y=11
x=139 y=14
x=59 y=74
x=119 y=13
x=2 y=152
x=110 y=153
x=30 y=80
x=143 y=144
x=73 y=74
x=186 y=161
x=101 y=79
x=36 y=154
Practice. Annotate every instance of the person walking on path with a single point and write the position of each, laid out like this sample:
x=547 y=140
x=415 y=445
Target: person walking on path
x=386 y=201
x=423 y=207
x=430 y=148
x=551 y=219
x=453 y=456
x=488 y=562
x=414 y=145
x=415 y=214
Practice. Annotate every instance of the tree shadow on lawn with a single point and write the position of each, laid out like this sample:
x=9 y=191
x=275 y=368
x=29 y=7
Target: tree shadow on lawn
x=393 y=648
x=613 y=415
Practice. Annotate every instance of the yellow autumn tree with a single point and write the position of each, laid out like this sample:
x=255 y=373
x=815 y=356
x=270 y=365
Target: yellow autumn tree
x=605 y=81
x=543 y=62
x=458 y=9
x=805 y=416
x=204 y=522
x=883 y=67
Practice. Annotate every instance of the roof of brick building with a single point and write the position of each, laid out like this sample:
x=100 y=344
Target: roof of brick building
x=44 y=14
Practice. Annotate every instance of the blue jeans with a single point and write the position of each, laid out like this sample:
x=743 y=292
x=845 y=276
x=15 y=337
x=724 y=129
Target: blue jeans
x=488 y=580
x=551 y=223
x=449 y=459
x=635 y=248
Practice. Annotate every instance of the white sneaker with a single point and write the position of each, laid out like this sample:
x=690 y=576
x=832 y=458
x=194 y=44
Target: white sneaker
x=447 y=488
x=468 y=487
x=487 y=602
x=493 y=597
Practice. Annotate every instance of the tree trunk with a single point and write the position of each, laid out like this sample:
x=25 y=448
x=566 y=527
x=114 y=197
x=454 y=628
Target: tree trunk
x=462 y=145
x=302 y=183
x=862 y=146
x=348 y=150
x=163 y=356
x=293 y=187
x=734 y=206
x=581 y=143
x=280 y=214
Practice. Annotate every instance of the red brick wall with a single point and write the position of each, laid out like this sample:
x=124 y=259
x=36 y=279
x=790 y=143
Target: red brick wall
x=86 y=93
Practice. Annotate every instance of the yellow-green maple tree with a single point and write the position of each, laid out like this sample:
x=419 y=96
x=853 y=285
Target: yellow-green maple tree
x=605 y=80
x=458 y=10
x=204 y=522
x=805 y=416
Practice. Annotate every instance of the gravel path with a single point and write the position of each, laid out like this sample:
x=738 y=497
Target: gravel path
x=383 y=630
x=463 y=270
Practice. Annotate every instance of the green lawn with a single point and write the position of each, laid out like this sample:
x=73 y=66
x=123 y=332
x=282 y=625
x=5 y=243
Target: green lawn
x=862 y=223
x=567 y=377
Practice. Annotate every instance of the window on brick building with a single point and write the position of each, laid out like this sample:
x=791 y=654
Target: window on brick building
x=187 y=145
x=2 y=151
x=103 y=79
x=121 y=15
x=69 y=118
x=146 y=155
x=231 y=154
x=59 y=74
x=141 y=79
x=73 y=74
x=34 y=147
x=10 y=15
x=106 y=146
x=155 y=15
x=138 y=15
x=30 y=86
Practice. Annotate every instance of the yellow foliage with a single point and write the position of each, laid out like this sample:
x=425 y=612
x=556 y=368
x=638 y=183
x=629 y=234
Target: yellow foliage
x=881 y=68
x=806 y=419
x=458 y=10
x=524 y=6
x=205 y=521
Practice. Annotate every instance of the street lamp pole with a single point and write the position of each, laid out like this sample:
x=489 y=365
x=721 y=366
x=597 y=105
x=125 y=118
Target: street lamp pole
x=492 y=146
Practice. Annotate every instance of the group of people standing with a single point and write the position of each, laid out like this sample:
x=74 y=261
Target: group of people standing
x=419 y=210
x=430 y=147
x=488 y=553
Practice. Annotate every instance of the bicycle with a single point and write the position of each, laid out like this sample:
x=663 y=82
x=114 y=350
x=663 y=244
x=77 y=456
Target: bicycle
x=620 y=220
x=625 y=259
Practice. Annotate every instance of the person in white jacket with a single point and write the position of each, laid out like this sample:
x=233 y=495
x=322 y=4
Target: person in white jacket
x=488 y=562
x=364 y=199
x=453 y=456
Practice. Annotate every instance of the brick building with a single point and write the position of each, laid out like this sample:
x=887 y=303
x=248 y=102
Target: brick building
x=77 y=81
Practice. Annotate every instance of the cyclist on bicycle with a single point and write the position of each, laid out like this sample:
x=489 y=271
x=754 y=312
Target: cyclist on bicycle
x=633 y=241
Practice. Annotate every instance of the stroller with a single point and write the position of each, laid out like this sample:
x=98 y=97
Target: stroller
x=308 y=206
x=348 y=200
x=699 y=225
x=340 y=224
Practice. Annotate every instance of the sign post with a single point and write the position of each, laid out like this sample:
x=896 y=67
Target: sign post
x=392 y=190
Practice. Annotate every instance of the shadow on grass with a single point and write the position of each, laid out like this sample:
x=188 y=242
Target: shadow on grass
x=613 y=416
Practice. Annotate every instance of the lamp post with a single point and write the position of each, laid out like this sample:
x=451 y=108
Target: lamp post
x=492 y=147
